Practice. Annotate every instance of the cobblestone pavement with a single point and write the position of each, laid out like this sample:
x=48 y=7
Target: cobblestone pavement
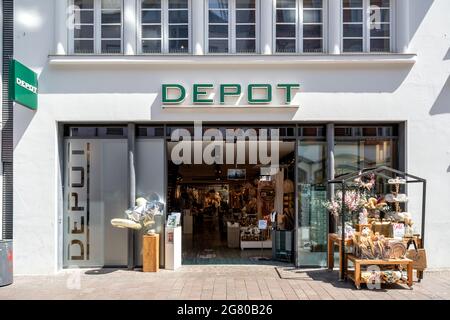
x=215 y=282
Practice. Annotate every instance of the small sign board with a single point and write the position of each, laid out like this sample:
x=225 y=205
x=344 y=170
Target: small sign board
x=262 y=224
x=23 y=85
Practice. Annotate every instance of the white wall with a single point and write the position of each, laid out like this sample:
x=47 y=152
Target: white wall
x=418 y=94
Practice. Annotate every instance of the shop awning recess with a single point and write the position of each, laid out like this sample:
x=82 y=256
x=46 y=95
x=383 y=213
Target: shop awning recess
x=386 y=173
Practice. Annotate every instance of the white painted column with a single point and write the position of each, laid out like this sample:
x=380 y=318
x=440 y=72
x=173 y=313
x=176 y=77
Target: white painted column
x=198 y=27
x=61 y=27
x=129 y=27
x=403 y=32
x=267 y=7
x=334 y=26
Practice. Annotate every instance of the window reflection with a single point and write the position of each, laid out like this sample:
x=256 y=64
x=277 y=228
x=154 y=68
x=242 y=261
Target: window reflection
x=312 y=192
x=351 y=156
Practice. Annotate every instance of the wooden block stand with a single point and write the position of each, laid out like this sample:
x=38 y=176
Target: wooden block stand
x=355 y=276
x=150 y=253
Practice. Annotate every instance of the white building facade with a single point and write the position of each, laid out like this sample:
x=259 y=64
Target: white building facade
x=372 y=73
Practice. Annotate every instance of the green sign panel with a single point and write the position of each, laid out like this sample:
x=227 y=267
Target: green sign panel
x=23 y=85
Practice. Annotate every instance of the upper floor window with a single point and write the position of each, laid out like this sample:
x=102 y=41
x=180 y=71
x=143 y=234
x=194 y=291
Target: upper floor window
x=164 y=26
x=366 y=25
x=97 y=27
x=232 y=26
x=299 y=26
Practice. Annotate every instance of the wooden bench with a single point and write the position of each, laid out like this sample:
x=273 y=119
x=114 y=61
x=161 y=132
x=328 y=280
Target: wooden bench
x=356 y=275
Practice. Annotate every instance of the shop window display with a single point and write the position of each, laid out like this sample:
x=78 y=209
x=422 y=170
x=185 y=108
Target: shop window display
x=226 y=212
x=374 y=227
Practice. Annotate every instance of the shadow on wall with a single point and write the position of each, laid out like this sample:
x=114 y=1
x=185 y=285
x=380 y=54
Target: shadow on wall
x=219 y=114
x=148 y=79
x=447 y=56
x=442 y=103
x=419 y=9
x=22 y=119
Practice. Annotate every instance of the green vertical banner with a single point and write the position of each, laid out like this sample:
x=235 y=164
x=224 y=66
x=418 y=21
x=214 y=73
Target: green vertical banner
x=23 y=85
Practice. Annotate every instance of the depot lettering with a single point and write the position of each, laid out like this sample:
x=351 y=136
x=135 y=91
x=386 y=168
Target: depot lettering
x=26 y=85
x=256 y=93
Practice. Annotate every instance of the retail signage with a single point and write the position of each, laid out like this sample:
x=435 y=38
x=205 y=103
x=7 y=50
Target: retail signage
x=78 y=210
x=23 y=85
x=210 y=94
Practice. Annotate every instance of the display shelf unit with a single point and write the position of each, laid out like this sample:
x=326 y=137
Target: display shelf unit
x=351 y=276
x=355 y=275
x=385 y=173
x=335 y=240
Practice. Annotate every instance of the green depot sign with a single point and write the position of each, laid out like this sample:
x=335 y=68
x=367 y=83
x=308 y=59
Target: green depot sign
x=200 y=93
x=23 y=85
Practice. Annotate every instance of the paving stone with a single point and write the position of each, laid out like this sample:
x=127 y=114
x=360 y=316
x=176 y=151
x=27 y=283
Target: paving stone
x=254 y=282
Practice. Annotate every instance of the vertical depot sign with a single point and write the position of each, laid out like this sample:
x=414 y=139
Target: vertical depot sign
x=78 y=208
x=23 y=85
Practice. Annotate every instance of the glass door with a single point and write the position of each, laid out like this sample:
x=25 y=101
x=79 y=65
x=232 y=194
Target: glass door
x=312 y=225
x=95 y=191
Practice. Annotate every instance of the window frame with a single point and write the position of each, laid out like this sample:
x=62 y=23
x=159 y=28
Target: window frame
x=164 y=29
x=97 y=30
x=71 y=32
x=139 y=25
x=232 y=29
x=101 y=24
x=366 y=29
x=299 y=18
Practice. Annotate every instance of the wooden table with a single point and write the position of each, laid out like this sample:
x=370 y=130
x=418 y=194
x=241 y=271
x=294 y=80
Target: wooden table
x=335 y=239
x=356 y=275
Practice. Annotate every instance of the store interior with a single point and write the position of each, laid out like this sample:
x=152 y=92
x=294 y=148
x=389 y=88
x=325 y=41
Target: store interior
x=222 y=207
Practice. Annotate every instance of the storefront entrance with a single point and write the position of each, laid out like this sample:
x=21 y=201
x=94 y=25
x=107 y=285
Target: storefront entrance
x=222 y=206
x=226 y=203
